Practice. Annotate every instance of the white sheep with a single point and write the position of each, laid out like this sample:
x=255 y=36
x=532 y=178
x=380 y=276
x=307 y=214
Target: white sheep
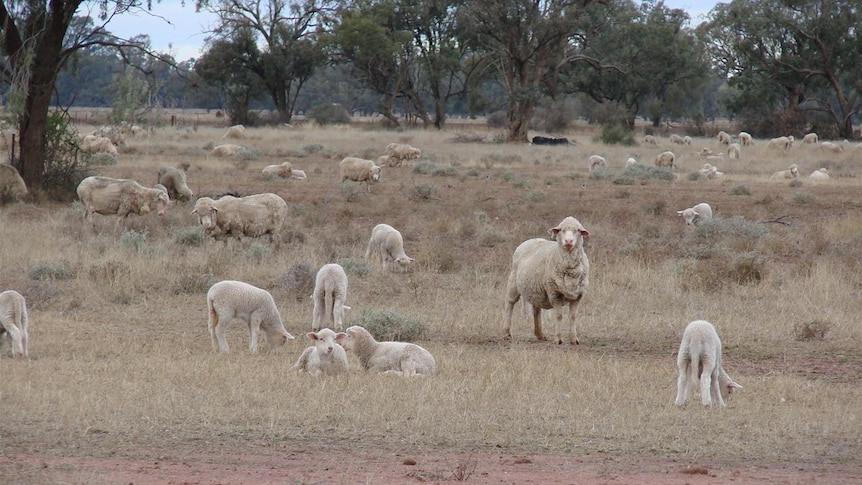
x=597 y=161
x=733 y=151
x=696 y=215
x=665 y=159
x=330 y=296
x=402 y=358
x=106 y=196
x=235 y=131
x=116 y=134
x=360 y=170
x=12 y=186
x=686 y=140
x=810 y=139
x=745 y=139
x=819 y=174
x=14 y=322
x=791 y=173
x=98 y=144
x=650 y=140
x=710 y=171
x=550 y=275
x=387 y=244
x=326 y=356
x=706 y=152
x=631 y=161
x=781 y=143
x=251 y=216
x=236 y=300
x=227 y=150
x=831 y=147
x=399 y=152
x=723 y=138
x=699 y=359
x=283 y=170
x=674 y=138
x=174 y=180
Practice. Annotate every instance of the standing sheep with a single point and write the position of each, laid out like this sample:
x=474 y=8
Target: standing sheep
x=14 y=322
x=597 y=161
x=403 y=358
x=696 y=215
x=174 y=180
x=235 y=131
x=360 y=170
x=828 y=146
x=330 y=296
x=676 y=139
x=686 y=140
x=733 y=151
x=723 y=138
x=106 y=196
x=235 y=300
x=665 y=159
x=399 y=152
x=12 y=186
x=781 y=143
x=810 y=139
x=388 y=245
x=326 y=356
x=550 y=275
x=650 y=140
x=745 y=139
x=250 y=216
x=699 y=359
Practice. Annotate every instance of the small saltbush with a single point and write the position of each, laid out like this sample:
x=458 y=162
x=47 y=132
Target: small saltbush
x=51 y=270
x=738 y=190
x=354 y=267
x=190 y=236
x=617 y=134
x=386 y=325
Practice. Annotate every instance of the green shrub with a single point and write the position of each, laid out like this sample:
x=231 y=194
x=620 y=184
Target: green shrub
x=353 y=267
x=803 y=197
x=51 y=270
x=101 y=159
x=536 y=195
x=64 y=164
x=134 y=240
x=738 y=190
x=423 y=192
x=642 y=172
x=617 y=134
x=387 y=325
x=329 y=114
x=190 y=236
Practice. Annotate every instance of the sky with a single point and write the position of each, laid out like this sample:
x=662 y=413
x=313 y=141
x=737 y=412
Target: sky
x=181 y=31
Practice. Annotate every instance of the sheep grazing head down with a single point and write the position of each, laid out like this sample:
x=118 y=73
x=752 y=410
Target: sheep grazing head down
x=569 y=233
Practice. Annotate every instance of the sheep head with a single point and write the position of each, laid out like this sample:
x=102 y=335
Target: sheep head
x=568 y=232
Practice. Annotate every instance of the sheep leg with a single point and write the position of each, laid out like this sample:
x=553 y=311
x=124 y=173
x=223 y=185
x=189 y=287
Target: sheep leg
x=683 y=382
x=706 y=379
x=253 y=332
x=15 y=335
x=329 y=309
x=218 y=332
x=537 y=321
x=316 y=315
x=715 y=388
x=573 y=332
x=514 y=296
x=338 y=314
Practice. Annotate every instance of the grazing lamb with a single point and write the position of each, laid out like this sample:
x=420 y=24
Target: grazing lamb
x=665 y=159
x=819 y=174
x=235 y=300
x=388 y=245
x=399 y=152
x=699 y=359
x=810 y=139
x=733 y=151
x=330 y=296
x=745 y=139
x=235 y=131
x=781 y=143
x=360 y=170
x=696 y=215
x=650 y=140
x=387 y=357
x=250 y=216
x=790 y=173
x=686 y=140
x=597 y=161
x=106 y=196
x=283 y=170
x=550 y=275
x=12 y=186
x=723 y=138
x=14 y=322
x=98 y=144
x=174 y=180
x=831 y=147
x=326 y=356
x=676 y=139
x=227 y=150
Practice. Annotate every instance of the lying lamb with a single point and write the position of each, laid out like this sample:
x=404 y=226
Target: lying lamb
x=695 y=215
x=14 y=322
x=326 y=356
x=699 y=358
x=283 y=170
x=790 y=173
x=388 y=245
x=235 y=300
x=820 y=174
x=550 y=275
x=388 y=357
x=330 y=294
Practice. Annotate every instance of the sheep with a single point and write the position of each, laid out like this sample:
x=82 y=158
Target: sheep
x=250 y=216
x=235 y=131
x=388 y=245
x=781 y=142
x=162 y=188
x=733 y=151
x=597 y=161
x=631 y=161
x=98 y=144
x=230 y=300
x=650 y=140
x=699 y=358
x=665 y=159
x=227 y=150
x=399 y=152
x=14 y=322
x=706 y=152
x=686 y=140
x=550 y=275
x=723 y=138
x=402 y=358
x=283 y=170
x=831 y=147
x=791 y=173
x=384 y=160
x=698 y=214
x=360 y=170
x=12 y=186
x=710 y=171
x=810 y=139
x=106 y=196
x=174 y=180
x=326 y=356
x=676 y=139
x=114 y=133
x=819 y=174
x=745 y=139
x=330 y=296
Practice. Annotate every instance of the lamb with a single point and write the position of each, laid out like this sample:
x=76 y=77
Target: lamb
x=330 y=296
x=686 y=140
x=723 y=138
x=283 y=170
x=782 y=142
x=174 y=180
x=106 y=196
x=831 y=147
x=550 y=275
x=630 y=161
x=14 y=322
x=12 y=186
x=733 y=151
x=399 y=152
x=710 y=171
x=696 y=215
x=650 y=140
x=674 y=138
x=98 y=144
x=402 y=358
x=699 y=358
x=597 y=161
x=388 y=245
x=790 y=173
x=235 y=131
x=326 y=356
x=235 y=300
x=360 y=170
x=745 y=139
x=665 y=159
x=819 y=174
x=706 y=152
x=250 y=216
x=227 y=150
x=810 y=139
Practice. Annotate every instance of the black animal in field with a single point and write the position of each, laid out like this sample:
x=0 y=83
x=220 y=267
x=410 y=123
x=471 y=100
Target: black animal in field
x=547 y=140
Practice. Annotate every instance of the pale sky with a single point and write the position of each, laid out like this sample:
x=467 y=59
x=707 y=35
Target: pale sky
x=184 y=36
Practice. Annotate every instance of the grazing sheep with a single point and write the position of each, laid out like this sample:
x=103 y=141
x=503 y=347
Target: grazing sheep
x=548 y=140
x=388 y=245
x=781 y=143
x=699 y=359
x=686 y=140
x=831 y=147
x=106 y=196
x=733 y=151
x=550 y=275
x=98 y=144
x=235 y=300
x=283 y=170
x=383 y=161
x=696 y=215
x=630 y=161
x=114 y=133
x=174 y=180
x=12 y=186
x=250 y=216
x=227 y=150
x=387 y=357
x=360 y=170
x=723 y=138
x=745 y=139
x=597 y=161
x=326 y=356
x=810 y=139
x=330 y=296
x=161 y=187
x=650 y=140
x=665 y=159
x=14 y=322
x=790 y=173
x=235 y=131
x=674 y=138
x=819 y=174
x=399 y=152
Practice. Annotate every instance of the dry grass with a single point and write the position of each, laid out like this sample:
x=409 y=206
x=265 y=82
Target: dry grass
x=121 y=357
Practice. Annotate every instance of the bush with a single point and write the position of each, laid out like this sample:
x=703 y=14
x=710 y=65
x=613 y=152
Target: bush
x=641 y=172
x=64 y=164
x=738 y=190
x=388 y=325
x=617 y=134
x=190 y=236
x=56 y=270
x=329 y=114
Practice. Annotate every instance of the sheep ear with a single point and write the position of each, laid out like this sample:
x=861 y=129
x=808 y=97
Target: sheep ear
x=585 y=233
x=553 y=232
x=679 y=213
x=732 y=384
x=312 y=335
x=340 y=336
x=195 y=210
